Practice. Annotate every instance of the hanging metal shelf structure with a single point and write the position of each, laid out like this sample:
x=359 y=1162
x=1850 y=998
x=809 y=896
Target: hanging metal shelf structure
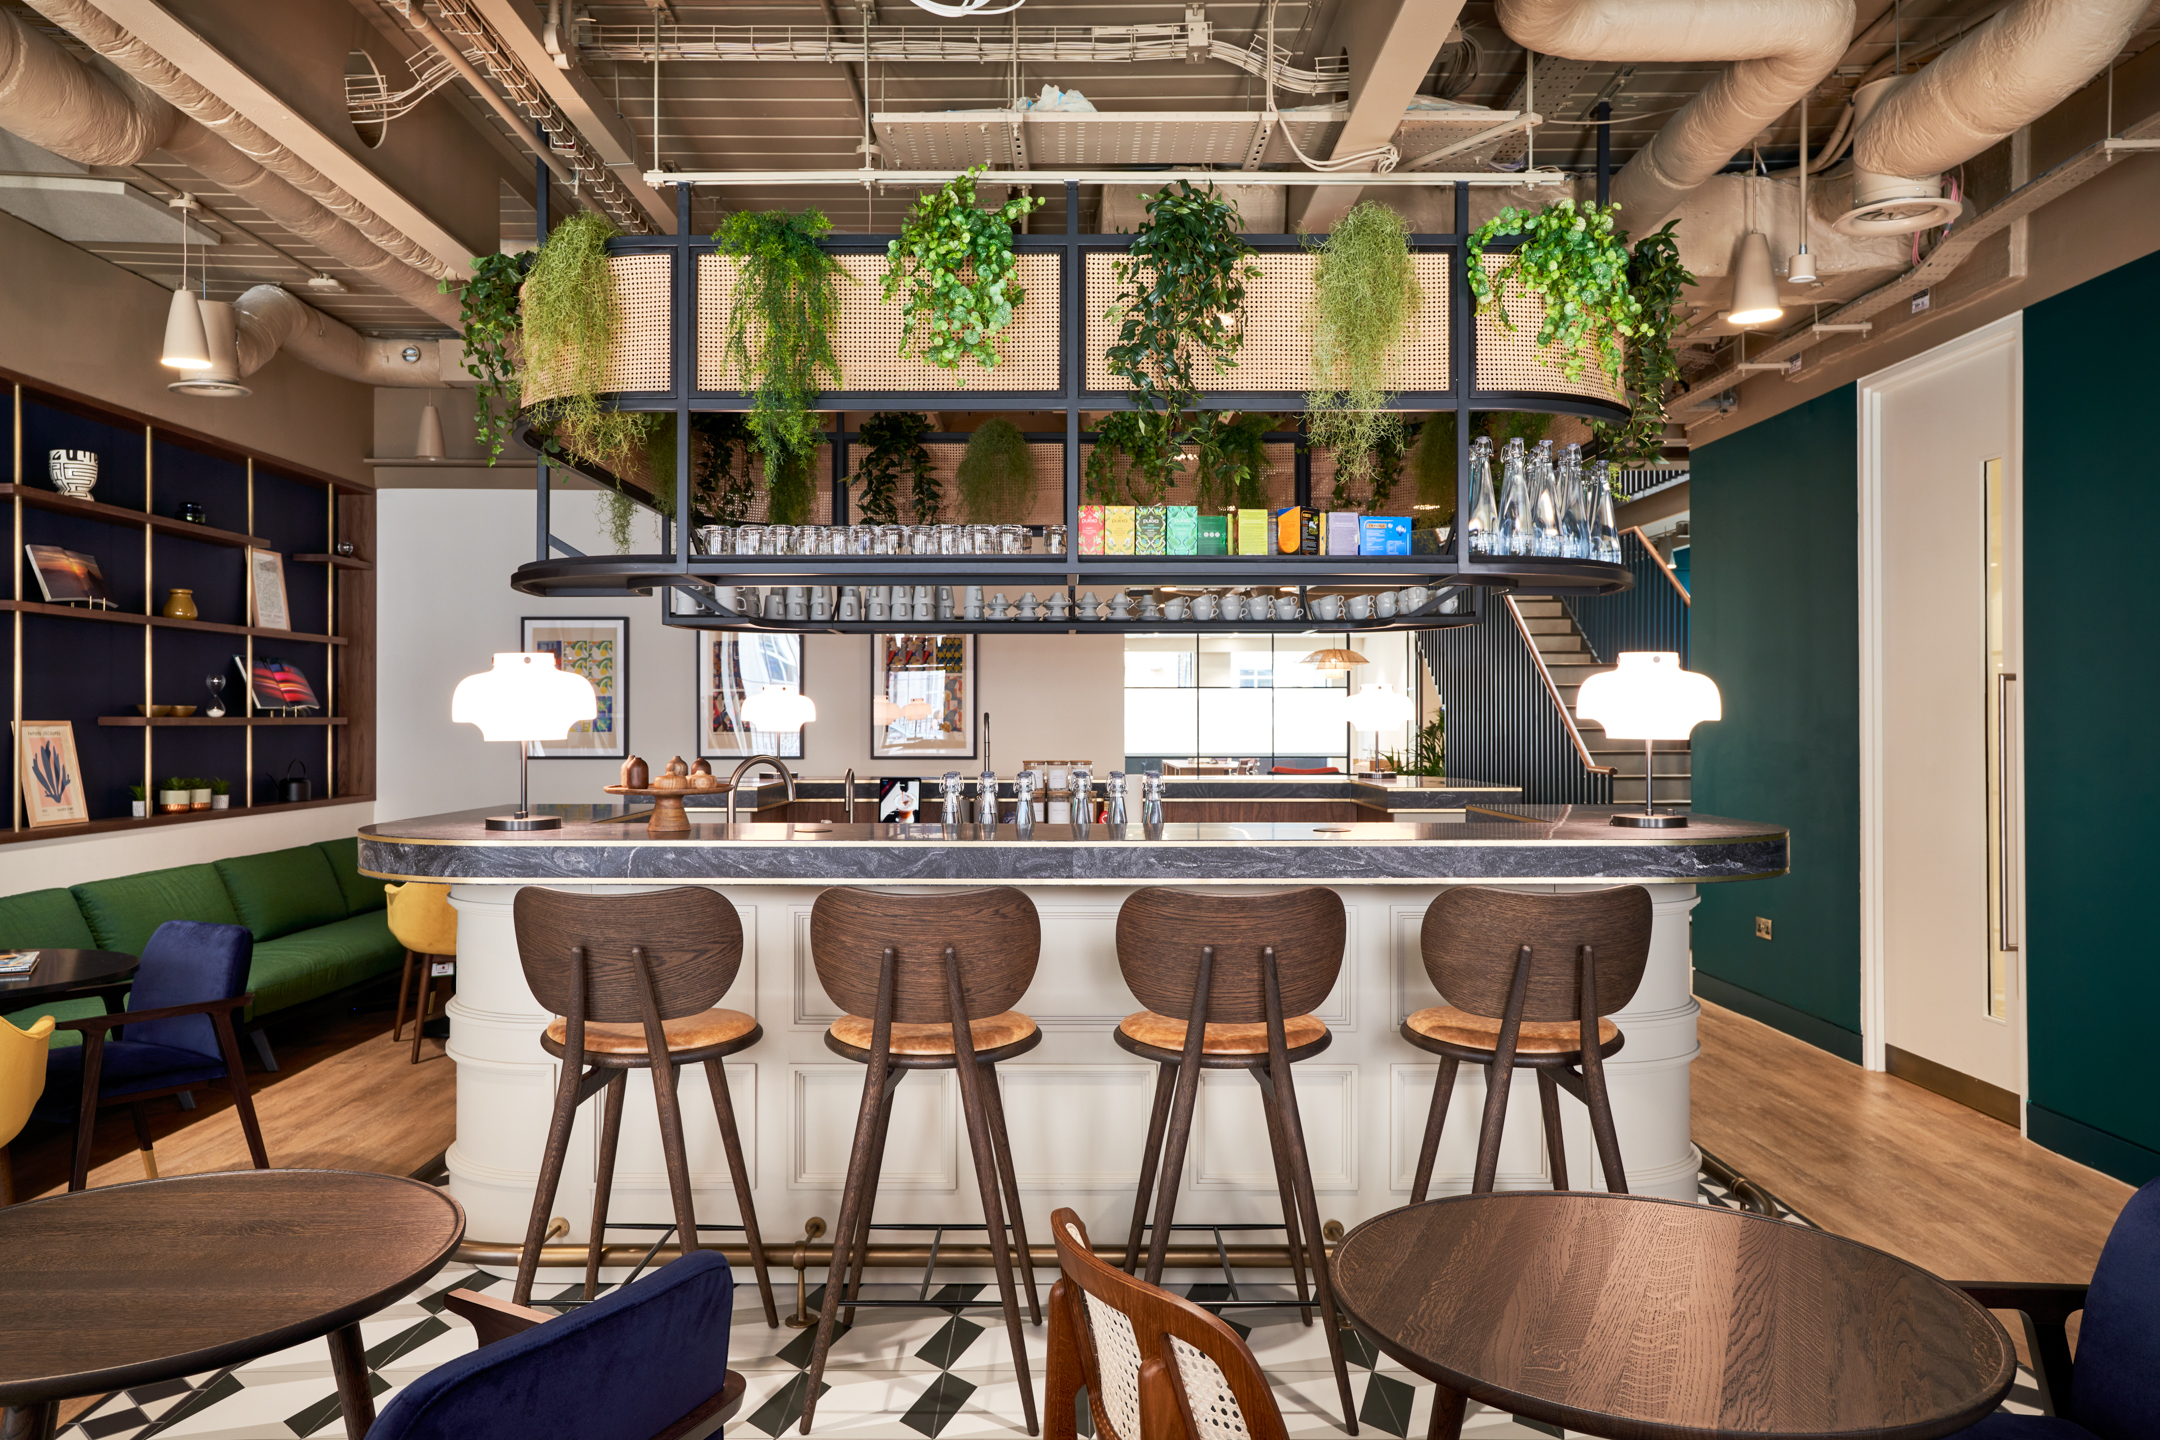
x=668 y=358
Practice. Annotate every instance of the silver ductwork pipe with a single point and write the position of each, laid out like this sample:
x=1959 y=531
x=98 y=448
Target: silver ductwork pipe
x=1778 y=51
x=2012 y=69
x=270 y=319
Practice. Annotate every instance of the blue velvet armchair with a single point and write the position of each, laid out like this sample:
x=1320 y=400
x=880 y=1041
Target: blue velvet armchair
x=2113 y=1390
x=648 y=1362
x=178 y=1033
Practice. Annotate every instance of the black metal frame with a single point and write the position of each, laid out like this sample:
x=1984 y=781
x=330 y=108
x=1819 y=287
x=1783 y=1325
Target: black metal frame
x=680 y=569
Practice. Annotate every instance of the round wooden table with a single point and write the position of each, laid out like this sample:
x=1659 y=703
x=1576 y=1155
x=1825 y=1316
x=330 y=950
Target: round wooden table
x=62 y=973
x=1644 y=1319
x=131 y=1284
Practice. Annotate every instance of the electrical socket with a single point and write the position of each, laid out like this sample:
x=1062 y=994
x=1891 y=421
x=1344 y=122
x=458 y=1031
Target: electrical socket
x=1762 y=928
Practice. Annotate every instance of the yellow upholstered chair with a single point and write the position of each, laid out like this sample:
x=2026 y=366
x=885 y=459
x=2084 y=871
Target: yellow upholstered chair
x=22 y=1080
x=424 y=923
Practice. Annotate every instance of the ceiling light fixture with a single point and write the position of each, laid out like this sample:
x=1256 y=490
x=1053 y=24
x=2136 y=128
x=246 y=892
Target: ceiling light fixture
x=186 y=348
x=1334 y=660
x=219 y=379
x=966 y=8
x=1754 y=296
x=1801 y=269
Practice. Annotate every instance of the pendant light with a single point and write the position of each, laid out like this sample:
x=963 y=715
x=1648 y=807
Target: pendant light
x=1754 y=296
x=186 y=347
x=1801 y=269
x=428 y=445
x=1334 y=661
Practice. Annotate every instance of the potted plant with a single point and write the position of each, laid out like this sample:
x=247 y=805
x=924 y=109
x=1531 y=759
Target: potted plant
x=1365 y=301
x=173 y=797
x=1658 y=280
x=220 y=795
x=1577 y=261
x=136 y=805
x=996 y=475
x=488 y=314
x=198 y=794
x=780 y=321
x=892 y=447
x=953 y=261
x=1427 y=754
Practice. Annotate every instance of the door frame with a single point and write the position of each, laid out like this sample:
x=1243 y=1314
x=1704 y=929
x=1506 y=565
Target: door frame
x=2008 y=334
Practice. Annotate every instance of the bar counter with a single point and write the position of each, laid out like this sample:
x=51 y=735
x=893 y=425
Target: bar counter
x=1078 y=1105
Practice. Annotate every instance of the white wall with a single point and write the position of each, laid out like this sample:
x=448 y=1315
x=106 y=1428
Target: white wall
x=446 y=606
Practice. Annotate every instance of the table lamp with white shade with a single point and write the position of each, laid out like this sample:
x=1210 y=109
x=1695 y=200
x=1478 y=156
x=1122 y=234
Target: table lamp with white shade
x=1649 y=698
x=778 y=707
x=524 y=698
x=1377 y=708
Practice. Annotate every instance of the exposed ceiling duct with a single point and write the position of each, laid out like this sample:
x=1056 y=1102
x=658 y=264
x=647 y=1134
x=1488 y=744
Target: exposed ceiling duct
x=1779 y=50
x=270 y=319
x=1891 y=204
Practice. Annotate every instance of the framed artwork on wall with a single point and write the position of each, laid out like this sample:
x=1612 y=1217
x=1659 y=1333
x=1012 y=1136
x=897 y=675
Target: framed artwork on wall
x=266 y=590
x=922 y=696
x=731 y=669
x=51 y=775
x=598 y=648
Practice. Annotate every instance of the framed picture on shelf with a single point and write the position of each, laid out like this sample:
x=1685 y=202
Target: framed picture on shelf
x=68 y=577
x=922 y=696
x=731 y=669
x=266 y=590
x=51 y=775
x=598 y=648
x=277 y=685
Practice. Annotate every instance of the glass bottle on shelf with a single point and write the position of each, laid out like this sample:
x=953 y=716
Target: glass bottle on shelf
x=1513 y=531
x=1151 y=798
x=1544 y=503
x=1575 y=494
x=1484 y=509
x=1604 y=535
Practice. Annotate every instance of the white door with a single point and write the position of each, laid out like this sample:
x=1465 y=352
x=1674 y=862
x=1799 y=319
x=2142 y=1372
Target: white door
x=1940 y=441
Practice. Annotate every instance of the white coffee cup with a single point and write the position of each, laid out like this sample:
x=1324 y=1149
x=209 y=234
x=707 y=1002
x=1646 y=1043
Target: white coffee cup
x=1175 y=610
x=1361 y=607
x=1205 y=607
x=1286 y=608
x=1415 y=598
x=850 y=607
x=1233 y=607
x=878 y=609
x=1384 y=604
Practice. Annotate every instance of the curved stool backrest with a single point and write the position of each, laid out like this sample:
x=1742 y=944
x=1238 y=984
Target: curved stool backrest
x=994 y=934
x=691 y=939
x=1161 y=932
x=2115 y=1389
x=22 y=1072
x=1473 y=935
x=421 y=919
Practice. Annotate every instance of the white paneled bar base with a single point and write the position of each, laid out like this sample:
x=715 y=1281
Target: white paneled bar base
x=1077 y=1105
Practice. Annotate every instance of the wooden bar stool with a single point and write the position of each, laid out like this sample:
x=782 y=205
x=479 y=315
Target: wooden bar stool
x=1244 y=971
x=905 y=1005
x=631 y=977
x=1528 y=980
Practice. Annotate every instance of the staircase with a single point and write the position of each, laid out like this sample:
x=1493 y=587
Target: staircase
x=1568 y=658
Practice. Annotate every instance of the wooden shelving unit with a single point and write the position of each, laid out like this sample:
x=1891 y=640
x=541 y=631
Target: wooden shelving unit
x=93 y=674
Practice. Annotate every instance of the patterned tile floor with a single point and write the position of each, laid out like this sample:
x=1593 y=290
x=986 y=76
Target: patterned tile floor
x=898 y=1374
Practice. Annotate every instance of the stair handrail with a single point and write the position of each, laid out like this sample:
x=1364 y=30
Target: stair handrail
x=1662 y=563
x=1567 y=718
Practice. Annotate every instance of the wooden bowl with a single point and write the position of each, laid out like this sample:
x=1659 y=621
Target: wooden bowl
x=179 y=712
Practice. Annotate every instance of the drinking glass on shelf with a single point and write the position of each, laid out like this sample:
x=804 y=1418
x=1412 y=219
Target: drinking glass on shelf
x=862 y=540
x=891 y=540
x=952 y=539
x=780 y=539
x=922 y=539
x=982 y=539
x=1012 y=540
x=750 y=540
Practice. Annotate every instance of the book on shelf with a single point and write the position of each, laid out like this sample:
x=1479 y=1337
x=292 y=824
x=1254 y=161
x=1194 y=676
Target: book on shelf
x=277 y=685
x=68 y=577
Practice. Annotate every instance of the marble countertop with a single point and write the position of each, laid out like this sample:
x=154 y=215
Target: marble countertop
x=600 y=844
x=1407 y=792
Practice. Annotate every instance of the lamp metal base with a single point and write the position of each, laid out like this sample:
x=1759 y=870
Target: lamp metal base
x=524 y=822
x=1635 y=819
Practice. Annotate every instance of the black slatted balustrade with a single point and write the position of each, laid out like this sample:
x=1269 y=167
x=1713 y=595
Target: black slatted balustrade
x=1650 y=615
x=1504 y=720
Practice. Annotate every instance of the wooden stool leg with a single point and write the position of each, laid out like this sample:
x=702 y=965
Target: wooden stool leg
x=1499 y=1074
x=1001 y=1145
x=604 y=1179
x=1435 y=1117
x=551 y=1166
x=1292 y=1236
x=671 y=1148
x=858 y=1260
x=972 y=1081
x=425 y=1003
x=1284 y=1095
x=1173 y=1168
x=142 y=1140
x=1548 y=1094
x=731 y=1142
x=1165 y=1086
x=851 y=1200
x=404 y=988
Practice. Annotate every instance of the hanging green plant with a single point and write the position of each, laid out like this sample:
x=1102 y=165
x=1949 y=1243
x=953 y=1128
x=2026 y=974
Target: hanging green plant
x=1574 y=257
x=488 y=314
x=617 y=512
x=1658 y=280
x=779 y=336
x=569 y=310
x=997 y=474
x=953 y=261
x=1230 y=460
x=1432 y=462
x=892 y=447
x=1365 y=302
x=790 y=490
x=721 y=472
x=1388 y=454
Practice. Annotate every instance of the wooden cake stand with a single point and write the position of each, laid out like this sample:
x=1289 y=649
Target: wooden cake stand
x=668 y=816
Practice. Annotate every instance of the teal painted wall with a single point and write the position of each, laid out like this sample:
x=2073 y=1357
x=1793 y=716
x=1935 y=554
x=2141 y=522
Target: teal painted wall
x=1775 y=621
x=2091 y=692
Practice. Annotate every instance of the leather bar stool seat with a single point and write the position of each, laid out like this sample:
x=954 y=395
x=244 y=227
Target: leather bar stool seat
x=1478 y=1036
x=689 y=1037
x=995 y=1037
x=1162 y=1037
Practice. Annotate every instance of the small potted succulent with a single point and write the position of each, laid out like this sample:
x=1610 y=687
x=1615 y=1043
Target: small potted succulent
x=198 y=794
x=173 y=796
x=220 y=794
x=138 y=807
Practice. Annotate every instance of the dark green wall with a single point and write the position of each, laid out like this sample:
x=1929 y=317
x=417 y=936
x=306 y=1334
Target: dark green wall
x=1775 y=621
x=2091 y=692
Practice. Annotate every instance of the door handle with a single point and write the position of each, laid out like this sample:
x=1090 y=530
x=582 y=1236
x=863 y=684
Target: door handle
x=2004 y=769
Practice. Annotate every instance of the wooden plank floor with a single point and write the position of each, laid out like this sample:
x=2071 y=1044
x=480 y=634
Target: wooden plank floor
x=1894 y=1166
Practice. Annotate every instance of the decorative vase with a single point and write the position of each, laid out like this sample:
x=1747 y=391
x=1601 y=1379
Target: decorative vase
x=73 y=472
x=138 y=808
x=199 y=799
x=220 y=802
x=172 y=802
x=180 y=605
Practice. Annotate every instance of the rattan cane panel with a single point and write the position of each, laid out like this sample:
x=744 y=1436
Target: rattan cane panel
x=1512 y=360
x=1277 y=353
x=866 y=339
x=638 y=356
x=1046 y=500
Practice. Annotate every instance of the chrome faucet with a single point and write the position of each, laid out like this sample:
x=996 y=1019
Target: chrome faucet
x=847 y=793
x=735 y=780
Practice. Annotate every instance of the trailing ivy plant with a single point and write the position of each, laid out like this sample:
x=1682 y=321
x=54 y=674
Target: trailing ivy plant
x=1181 y=297
x=892 y=447
x=1657 y=279
x=488 y=314
x=1365 y=300
x=779 y=335
x=953 y=262
x=1575 y=258
x=997 y=474
x=1230 y=461
x=569 y=313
